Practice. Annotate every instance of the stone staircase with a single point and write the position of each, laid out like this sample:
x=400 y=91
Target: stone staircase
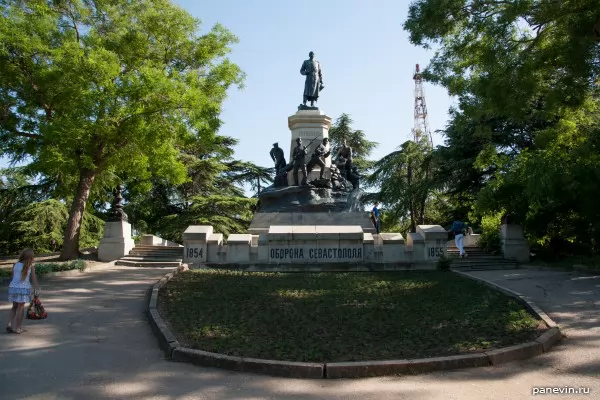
x=478 y=260
x=153 y=256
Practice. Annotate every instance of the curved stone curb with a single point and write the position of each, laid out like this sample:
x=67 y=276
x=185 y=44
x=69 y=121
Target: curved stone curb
x=173 y=350
x=287 y=369
x=166 y=339
x=531 y=306
x=527 y=350
x=363 y=369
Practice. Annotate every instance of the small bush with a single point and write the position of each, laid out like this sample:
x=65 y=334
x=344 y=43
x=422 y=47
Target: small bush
x=44 y=268
x=490 y=235
x=443 y=263
x=79 y=264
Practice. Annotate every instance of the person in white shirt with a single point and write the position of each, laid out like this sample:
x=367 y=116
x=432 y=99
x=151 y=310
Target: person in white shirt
x=19 y=290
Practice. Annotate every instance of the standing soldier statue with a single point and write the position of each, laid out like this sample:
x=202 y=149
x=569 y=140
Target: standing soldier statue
x=313 y=84
x=278 y=158
x=318 y=158
x=299 y=155
x=344 y=159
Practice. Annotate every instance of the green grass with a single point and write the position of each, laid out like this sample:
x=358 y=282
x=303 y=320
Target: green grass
x=327 y=317
x=44 y=268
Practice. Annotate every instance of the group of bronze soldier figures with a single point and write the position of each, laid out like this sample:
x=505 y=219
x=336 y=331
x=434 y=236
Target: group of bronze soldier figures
x=344 y=161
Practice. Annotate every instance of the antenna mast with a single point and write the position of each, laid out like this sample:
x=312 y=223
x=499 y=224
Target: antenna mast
x=421 y=122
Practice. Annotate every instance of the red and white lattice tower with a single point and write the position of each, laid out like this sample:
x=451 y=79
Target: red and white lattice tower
x=421 y=128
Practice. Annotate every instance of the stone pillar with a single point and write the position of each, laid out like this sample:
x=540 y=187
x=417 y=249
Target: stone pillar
x=435 y=238
x=308 y=125
x=415 y=243
x=214 y=245
x=117 y=241
x=393 y=247
x=513 y=243
x=368 y=247
x=195 y=243
x=238 y=248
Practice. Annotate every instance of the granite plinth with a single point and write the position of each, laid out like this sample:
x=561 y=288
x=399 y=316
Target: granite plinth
x=117 y=241
x=308 y=199
x=263 y=221
x=308 y=125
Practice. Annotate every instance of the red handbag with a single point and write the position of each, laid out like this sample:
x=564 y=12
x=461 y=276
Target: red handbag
x=36 y=310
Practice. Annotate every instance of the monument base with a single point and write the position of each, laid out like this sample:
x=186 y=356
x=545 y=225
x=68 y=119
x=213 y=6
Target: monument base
x=315 y=247
x=513 y=243
x=308 y=199
x=117 y=241
x=263 y=221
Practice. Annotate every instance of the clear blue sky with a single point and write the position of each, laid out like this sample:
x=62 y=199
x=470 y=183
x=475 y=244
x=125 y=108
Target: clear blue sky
x=366 y=58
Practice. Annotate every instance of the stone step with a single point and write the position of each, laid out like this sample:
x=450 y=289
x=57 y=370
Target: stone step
x=156 y=252
x=139 y=258
x=482 y=262
x=469 y=251
x=485 y=267
x=152 y=264
x=475 y=256
x=469 y=257
x=144 y=246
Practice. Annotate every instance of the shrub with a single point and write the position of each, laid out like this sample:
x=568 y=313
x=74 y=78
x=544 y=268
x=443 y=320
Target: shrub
x=490 y=235
x=44 y=268
x=443 y=263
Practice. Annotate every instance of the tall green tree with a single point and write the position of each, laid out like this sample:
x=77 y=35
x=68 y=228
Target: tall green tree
x=525 y=132
x=341 y=131
x=517 y=57
x=93 y=89
x=212 y=195
x=405 y=181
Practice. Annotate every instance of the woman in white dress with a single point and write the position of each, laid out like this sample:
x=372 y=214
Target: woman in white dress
x=19 y=290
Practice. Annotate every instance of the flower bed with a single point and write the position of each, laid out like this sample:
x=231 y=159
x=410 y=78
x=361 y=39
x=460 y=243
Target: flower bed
x=329 y=317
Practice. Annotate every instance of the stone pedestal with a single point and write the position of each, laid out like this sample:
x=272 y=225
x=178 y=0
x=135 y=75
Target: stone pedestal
x=214 y=246
x=238 y=247
x=513 y=243
x=195 y=242
x=393 y=247
x=435 y=238
x=308 y=125
x=117 y=241
x=416 y=246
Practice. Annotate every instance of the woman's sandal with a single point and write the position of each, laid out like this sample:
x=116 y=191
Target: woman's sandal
x=9 y=329
x=19 y=331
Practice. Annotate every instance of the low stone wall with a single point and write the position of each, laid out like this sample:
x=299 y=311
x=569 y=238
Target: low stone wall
x=468 y=240
x=316 y=245
x=151 y=240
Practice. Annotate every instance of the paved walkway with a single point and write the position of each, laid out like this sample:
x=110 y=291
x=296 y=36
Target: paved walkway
x=96 y=344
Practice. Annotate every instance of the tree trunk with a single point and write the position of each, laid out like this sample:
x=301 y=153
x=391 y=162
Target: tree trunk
x=70 y=249
x=413 y=227
x=425 y=195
